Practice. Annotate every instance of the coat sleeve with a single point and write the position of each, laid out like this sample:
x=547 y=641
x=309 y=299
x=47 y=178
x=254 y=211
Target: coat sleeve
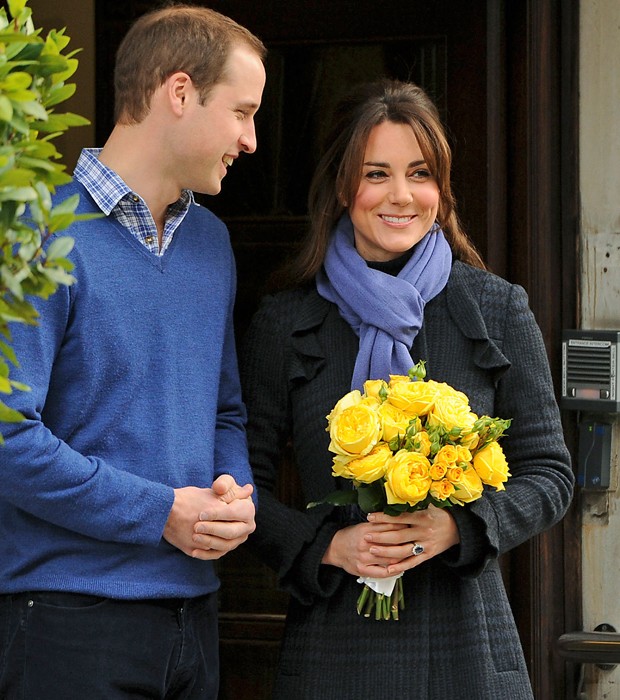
x=289 y=540
x=540 y=488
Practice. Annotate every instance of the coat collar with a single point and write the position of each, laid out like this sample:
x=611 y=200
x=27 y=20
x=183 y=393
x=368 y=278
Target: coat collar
x=308 y=355
x=467 y=293
x=465 y=296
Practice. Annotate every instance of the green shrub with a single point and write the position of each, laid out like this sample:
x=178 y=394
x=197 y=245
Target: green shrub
x=33 y=75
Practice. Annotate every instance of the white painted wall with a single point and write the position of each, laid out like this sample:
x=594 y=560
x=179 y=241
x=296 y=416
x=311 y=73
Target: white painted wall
x=599 y=83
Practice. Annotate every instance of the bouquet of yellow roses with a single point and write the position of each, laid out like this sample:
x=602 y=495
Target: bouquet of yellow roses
x=405 y=445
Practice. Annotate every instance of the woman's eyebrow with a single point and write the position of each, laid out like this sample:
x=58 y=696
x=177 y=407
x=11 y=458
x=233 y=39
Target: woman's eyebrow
x=413 y=164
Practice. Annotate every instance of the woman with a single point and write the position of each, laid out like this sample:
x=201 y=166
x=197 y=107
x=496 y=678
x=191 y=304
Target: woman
x=386 y=278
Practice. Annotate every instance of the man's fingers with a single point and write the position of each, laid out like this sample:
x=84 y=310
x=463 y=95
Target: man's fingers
x=238 y=509
x=227 y=489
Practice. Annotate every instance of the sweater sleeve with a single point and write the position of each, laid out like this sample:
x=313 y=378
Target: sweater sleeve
x=540 y=487
x=289 y=540
x=44 y=476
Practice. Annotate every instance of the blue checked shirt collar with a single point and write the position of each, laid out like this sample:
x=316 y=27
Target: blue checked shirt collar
x=116 y=199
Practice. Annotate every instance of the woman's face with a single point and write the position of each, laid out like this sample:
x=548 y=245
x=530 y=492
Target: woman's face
x=397 y=198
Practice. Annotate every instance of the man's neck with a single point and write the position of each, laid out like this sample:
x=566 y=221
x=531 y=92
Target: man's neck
x=126 y=153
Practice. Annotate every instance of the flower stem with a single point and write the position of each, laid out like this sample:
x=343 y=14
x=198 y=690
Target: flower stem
x=362 y=599
x=385 y=607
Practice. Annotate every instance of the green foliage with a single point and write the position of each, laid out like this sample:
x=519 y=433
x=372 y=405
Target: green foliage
x=33 y=74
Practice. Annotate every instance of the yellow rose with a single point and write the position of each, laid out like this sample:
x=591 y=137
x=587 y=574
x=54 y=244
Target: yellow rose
x=374 y=387
x=438 y=470
x=454 y=474
x=350 y=399
x=365 y=469
x=468 y=488
x=491 y=465
x=395 y=378
x=469 y=440
x=462 y=454
x=355 y=430
x=371 y=401
x=394 y=422
x=446 y=391
x=422 y=443
x=442 y=489
x=448 y=455
x=416 y=398
x=407 y=478
x=450 y=411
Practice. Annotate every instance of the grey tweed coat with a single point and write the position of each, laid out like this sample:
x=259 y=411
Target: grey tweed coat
x=456 y=638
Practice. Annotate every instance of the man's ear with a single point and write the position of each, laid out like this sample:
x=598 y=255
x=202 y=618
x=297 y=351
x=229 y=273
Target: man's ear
x=178 y=87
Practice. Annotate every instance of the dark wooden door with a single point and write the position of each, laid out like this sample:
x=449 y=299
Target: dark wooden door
x=503 y=75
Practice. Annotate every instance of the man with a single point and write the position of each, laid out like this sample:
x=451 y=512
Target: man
x=129 y=475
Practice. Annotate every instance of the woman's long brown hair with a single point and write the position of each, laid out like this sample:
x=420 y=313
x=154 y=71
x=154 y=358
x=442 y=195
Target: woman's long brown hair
x=337 y=176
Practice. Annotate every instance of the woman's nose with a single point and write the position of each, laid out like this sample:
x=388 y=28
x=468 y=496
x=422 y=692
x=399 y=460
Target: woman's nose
x=400 y=193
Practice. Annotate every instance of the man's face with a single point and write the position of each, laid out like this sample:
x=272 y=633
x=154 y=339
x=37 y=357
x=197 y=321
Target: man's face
x=214 y=134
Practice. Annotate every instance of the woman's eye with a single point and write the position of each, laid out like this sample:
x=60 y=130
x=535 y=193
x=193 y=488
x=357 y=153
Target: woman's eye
x=376 y=175
x=421 y=174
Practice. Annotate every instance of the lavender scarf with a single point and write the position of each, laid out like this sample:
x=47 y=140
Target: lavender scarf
x=385 y=312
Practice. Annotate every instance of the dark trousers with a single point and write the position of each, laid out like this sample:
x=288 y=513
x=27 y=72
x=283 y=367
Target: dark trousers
x=65 y=646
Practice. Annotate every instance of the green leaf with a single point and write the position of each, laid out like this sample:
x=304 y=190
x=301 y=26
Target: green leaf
x=59 y=248
x=56 y=40
x=19 y=310
x=20 y=386
x=6 y=109
x=37 y=163
x=64 y=264
x=59 y=222
x=60 y=122
x=50 y=64
x=16 y=6
x=18 y=194
x=89 y=217
x=16 y=177
x=19 y=80
x=34 y=109
x=8 y=352
x=67 y=206
x=58 y=276
x=9 y=415
x=336 y=498
x=19 y=124
x=58 y=94
x=72 y=119
x=371 y=497
x=28 y=250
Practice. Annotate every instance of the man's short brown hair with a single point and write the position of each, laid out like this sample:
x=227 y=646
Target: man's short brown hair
x=194 y=40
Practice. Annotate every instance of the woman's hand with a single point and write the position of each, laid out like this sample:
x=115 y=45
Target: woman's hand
x=384 y=545
x=350 y=549
x=433 y=528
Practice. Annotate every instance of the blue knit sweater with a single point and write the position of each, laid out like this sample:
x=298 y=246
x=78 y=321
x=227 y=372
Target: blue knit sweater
x=135 y=391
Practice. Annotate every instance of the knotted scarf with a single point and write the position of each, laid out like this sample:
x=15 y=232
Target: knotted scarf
x=386 y=312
